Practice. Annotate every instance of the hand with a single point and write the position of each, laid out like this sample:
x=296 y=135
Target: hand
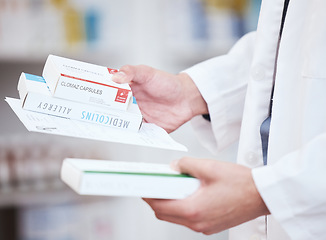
x=227 y=197
x=165 y=99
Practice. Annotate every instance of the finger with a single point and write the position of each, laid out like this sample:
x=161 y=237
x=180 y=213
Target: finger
x=169 y=210
x=160 y=204
x=166 y=206
x=202 y=169
x=130 y=73
x=197 y=226
x=121 y=77
x=174 y=219
x=182 y=216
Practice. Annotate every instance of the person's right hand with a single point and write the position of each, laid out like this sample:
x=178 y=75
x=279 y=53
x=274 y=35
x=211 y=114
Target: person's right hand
x=227 y=197
x=168 y=100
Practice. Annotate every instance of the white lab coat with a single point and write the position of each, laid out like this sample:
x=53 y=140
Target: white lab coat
x=237 y=89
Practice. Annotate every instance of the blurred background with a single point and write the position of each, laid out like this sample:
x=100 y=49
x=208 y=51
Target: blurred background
x=167 y=34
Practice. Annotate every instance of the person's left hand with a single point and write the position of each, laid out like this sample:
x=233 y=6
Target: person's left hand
x=227 y=197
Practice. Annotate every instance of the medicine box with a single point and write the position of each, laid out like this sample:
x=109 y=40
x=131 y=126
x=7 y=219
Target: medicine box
x=35 y=96
x=129 y=179
x=84 y=82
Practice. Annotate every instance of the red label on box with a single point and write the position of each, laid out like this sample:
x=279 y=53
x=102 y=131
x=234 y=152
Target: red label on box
x=122 y=95
x=112 y=71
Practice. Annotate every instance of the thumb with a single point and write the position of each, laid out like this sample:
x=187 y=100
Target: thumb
x=131 y=73
x=198 y=168
x=124 y=75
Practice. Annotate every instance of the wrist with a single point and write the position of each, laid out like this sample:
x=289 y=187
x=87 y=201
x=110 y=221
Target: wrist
x=195 y=100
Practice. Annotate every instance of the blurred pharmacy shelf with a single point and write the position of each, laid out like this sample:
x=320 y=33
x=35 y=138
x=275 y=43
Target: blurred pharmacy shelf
x=47 y=196
x=31 y=29
x=167 y=34
x=30 y=167
x=125 y=31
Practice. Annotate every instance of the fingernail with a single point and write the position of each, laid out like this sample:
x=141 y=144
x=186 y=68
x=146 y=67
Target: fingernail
x=119 y=76
x=175 y=165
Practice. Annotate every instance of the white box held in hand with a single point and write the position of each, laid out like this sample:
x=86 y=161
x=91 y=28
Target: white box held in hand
x=35 y=96
x=133 y=179
x=85 y=82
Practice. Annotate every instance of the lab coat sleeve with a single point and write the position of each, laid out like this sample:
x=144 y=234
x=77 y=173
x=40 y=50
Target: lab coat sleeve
x=222 y=81
x=294 y=190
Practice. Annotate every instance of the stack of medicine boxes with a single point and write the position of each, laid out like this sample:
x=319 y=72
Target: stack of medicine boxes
x=80 y=91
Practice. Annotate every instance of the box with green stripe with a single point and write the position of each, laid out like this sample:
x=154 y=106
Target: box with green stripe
x=129 y=179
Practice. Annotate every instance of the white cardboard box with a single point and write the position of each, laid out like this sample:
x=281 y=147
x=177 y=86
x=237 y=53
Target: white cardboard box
x=35 y=96
x=149 y=134
x=133 y=179
x=85 y=82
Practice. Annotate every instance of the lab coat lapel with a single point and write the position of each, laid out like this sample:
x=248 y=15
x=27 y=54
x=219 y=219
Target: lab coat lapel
x=257 y=103
x=261 y=81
